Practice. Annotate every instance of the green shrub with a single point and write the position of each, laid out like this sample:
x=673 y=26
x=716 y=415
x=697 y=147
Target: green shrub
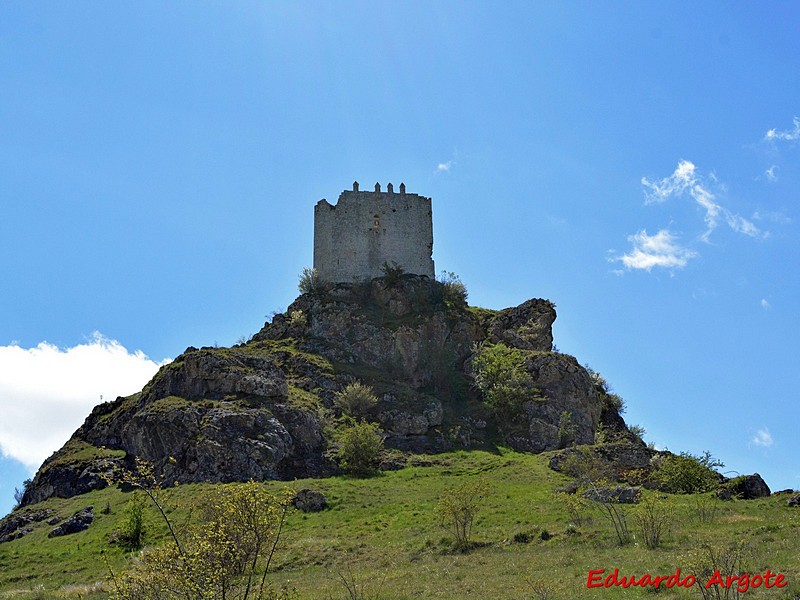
x=356 y=399
x=566 y=430
x=687 y=474
x=457 y=509
x=360 y=448
x=502 y=378
x=454 y=292
x=310 y=282
x=610 y=400
x=393 y=273
x=298 y=318
x=131 y=536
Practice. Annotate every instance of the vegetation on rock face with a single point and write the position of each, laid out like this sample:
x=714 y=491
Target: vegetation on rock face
x=455 y=292
x=392 y=273
x=310 y=282
x=501 y=377
x=356 y=399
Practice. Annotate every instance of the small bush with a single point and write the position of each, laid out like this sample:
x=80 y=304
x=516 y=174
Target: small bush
x=706 y=507
x=687 y=474
x=131 y=537
x=522 y=537
x=708 y=561
x=586 y=467
x=455 y=292
x=566 y=430
x=360 y=448
x=638 y=431
x=297 y=318
x=577 y=508
x=393 y=273
x=356 y=400
x=457 y=509
x=655 y=520
x=310 y=282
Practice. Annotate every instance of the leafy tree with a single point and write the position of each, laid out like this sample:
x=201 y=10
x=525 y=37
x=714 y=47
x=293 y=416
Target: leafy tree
x=360 y=448
x=502 y=378
x=19 y=494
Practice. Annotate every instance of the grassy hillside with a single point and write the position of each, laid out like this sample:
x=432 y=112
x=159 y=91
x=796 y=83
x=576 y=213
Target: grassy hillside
x=384 y=531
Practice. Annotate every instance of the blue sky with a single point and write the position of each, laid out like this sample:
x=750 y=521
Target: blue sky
x=636 y=163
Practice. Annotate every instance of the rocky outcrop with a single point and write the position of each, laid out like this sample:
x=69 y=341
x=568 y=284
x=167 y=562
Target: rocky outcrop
x=80 y=521
x=745 y=487
x=20 y=523
x=259 y=410
x=620 y=494
x=64 y=477
x=527 y=326
x=561 y=386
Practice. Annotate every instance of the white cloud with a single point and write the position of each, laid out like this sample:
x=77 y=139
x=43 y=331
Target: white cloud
x=786 y=136
x=659 y=250
x=674 y=185
x=47 y=392
x=765 y=304
x=770 y=173
x=763 y=438
x=444 y=167
x=687 y=177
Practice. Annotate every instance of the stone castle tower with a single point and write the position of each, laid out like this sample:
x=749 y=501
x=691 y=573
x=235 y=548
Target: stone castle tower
x=364 y=230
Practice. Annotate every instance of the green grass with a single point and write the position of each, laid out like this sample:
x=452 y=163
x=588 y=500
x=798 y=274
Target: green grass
x=385 y=529
x=79 y=452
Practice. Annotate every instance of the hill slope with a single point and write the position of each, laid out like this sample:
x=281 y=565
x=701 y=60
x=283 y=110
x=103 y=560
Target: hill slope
x=265 y=409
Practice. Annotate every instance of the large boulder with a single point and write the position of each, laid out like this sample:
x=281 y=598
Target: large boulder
x=80 y=521
x=747 y=487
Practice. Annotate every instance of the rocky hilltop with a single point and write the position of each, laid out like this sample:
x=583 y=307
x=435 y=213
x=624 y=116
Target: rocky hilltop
x=265 y=409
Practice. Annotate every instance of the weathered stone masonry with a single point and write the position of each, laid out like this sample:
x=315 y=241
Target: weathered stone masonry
x=364 y=230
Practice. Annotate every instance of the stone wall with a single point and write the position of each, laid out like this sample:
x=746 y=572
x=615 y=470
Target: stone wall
x=364 y=230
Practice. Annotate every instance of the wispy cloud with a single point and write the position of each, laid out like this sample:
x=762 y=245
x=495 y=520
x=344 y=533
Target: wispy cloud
x=674 y=185
x=686 y=177
x=765 y=304
x=770 y=173
x=444 y=167
x=772 y=216
x=763 y=438
x=786 y=136
x=46 y=392
x=659 y=250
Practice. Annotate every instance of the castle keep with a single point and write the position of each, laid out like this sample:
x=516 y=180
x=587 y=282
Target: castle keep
x=364 y=230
